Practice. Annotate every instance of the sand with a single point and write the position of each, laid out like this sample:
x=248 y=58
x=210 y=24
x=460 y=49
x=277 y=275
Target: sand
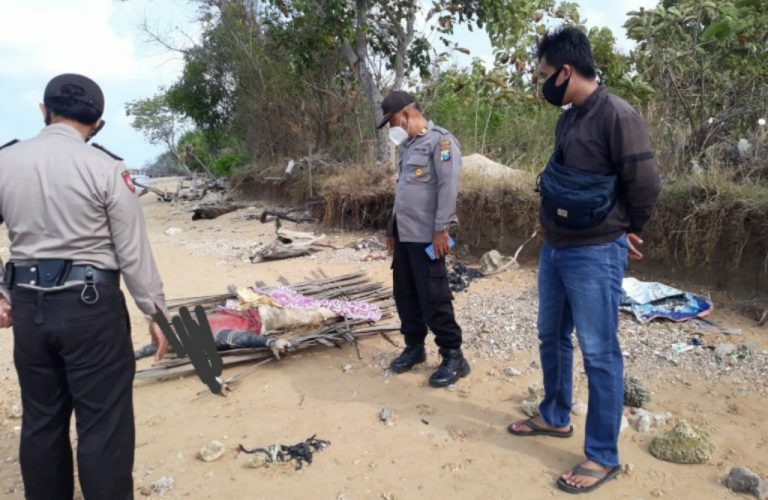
x=441 y=444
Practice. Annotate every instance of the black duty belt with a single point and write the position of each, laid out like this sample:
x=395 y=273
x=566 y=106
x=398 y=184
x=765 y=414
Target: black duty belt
x=55 y=272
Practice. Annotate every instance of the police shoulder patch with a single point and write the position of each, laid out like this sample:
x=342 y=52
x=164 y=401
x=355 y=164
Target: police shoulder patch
x=128 y=181
x=8 y=144
x=445 y=149
x=108 y=152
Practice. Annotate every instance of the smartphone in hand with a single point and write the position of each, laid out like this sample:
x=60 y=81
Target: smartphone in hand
x=431 y=248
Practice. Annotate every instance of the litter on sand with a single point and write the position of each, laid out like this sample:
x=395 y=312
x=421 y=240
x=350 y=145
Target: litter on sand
x=302 y=453
x=648 y=301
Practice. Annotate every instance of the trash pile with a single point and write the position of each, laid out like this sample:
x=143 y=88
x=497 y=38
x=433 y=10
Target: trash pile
x=302 y=453
x=461 y=276
x=648 y=301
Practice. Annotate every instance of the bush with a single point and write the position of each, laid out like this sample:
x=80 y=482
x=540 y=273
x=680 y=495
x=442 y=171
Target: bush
x=224 y=165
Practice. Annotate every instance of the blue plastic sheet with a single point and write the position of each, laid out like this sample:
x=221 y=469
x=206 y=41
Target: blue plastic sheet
x=648 y=301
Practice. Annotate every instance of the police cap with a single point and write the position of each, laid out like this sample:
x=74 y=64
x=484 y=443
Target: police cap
x=78 y=88
x=394 y=102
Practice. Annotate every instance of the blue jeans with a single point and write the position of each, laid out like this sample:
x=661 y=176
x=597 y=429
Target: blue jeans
x=581 y=287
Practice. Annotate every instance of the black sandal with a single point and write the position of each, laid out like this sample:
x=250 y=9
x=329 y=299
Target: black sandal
x=584 y=472
x=537 y=430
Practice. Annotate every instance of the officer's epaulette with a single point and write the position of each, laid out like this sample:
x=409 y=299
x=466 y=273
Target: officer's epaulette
x=8 y=144
x=110 y=153
x=437 y=128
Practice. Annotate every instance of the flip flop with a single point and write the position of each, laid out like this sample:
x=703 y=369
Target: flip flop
x=584 y=472
x=537 y=430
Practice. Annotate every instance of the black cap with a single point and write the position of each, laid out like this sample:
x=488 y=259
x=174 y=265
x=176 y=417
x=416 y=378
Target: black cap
x=394 y=102
x=78 y=88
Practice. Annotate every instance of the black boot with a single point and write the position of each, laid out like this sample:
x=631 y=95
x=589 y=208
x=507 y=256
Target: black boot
x=453 y=367
x=410 y=357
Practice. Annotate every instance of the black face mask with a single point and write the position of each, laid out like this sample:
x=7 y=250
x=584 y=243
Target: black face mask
x=552 y=93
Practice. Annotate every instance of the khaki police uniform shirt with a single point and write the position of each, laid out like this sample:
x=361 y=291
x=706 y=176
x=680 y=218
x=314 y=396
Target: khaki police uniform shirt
x=64 y=199
x=427 y=186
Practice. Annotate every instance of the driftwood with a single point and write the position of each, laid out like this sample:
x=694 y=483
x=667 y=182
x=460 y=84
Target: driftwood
x=161 y=195
x=210 y=213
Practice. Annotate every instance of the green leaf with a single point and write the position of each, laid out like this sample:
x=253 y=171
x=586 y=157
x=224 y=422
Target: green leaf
x=717 y=30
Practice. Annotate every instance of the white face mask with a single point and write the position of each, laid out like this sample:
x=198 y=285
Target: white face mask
x=398 y=135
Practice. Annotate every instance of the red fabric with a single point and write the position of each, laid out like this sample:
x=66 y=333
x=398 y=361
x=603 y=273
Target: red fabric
x=248 y=321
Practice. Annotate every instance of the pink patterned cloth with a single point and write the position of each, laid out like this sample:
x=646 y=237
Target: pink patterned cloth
x=350 y=309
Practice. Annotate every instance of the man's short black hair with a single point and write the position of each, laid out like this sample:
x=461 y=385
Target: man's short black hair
x=568 y=45
x=66 y=107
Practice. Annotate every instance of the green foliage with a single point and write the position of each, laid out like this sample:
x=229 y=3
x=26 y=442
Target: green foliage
x=227 y=163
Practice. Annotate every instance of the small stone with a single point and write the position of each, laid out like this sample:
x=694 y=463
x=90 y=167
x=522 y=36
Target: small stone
x=624 y=424
x=387 y=496
x=762 y=490
x=635 y=395
x=743 y=480
x=146 y=491
x=683 y=445
x=346 y=368
x=627 y=469
x=258 y=460
x=173 y=231
x=453 y=387
x=535 y=365
x=723 y=350
x=658 y=493
x=212 y=451
x=579 y=408
x=512 y=372
x=14 y=411
x=385 y=415
x=17 y=429
x=162 y=485
x=530 y=408
x=645 y=423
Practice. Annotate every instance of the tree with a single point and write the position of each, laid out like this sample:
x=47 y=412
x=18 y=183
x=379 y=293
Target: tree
x=704 y=60
x=159 y=124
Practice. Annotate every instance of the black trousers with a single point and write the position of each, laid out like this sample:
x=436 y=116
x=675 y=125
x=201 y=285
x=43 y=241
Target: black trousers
x=422 y=296
x=72 y=356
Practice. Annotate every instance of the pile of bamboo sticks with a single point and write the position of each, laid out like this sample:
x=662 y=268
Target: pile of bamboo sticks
x=355 y=286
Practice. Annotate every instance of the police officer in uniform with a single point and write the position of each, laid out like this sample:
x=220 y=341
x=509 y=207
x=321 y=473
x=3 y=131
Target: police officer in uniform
x=75 y=226
x=425 y=210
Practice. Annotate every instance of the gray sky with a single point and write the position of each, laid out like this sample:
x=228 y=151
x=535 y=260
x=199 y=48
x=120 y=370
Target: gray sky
x=102 y=39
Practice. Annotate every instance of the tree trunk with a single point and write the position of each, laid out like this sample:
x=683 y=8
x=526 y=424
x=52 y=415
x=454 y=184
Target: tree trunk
x=357 y=56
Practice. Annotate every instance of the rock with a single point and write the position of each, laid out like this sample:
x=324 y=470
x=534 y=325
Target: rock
x=762 y=490
x=531 y=405
x=658 y=493
x=453 y=387
x=627 y=469
x=683 y=445
x=145 y=491
x=535 y=392
x=530 y=408
x=512 y=372
x=173 y=231
x=258 y=459
x=346 y=368
x=645 y=423
x=212 y=451
x=723 y=350
x=635 y=395
x=385 y=415
x=579 y=408
x=162 y=485
x=14 y=411
x=743 y=480
x=493 y=261
x=624 y=424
